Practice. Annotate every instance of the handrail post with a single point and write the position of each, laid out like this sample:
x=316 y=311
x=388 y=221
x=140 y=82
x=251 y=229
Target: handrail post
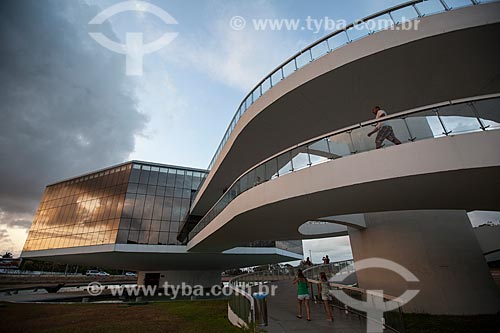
x=445 y=5
x=348 y=38
x=354 y=151
x=392 y=18
x=330 y=155
x=411 y=138
x=474 y=110
x=419 y=14
x=309 y=163
x=446 y=132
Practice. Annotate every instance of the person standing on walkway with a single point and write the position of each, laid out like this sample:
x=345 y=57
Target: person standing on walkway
x=384 y=130
x=325 y=294
x=308 y=262
x=302 y=294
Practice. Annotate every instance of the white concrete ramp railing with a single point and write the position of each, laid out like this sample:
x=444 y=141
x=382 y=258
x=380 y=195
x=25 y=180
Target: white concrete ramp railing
x=474 y=114
x=241 y=304
x=391 y=320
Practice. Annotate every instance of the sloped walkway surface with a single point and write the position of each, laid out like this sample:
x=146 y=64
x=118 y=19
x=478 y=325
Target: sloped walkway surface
x=282 y=311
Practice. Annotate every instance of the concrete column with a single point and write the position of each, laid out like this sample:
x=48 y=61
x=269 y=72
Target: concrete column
x=440 y=248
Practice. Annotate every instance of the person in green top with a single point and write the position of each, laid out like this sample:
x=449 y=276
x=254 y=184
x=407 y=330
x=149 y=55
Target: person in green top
x=302 y=294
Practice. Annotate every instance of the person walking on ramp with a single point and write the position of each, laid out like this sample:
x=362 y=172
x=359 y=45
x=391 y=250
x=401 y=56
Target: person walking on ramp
x=384 y=130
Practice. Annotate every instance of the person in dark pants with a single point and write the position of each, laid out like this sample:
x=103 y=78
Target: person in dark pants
x=384 y=130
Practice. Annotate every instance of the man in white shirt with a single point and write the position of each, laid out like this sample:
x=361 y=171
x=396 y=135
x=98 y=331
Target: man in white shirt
x=384 y=130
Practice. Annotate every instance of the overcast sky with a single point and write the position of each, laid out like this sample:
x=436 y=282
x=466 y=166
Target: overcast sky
x=68 y=107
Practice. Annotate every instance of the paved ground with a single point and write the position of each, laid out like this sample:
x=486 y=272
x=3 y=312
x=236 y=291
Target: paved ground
x=282 y=310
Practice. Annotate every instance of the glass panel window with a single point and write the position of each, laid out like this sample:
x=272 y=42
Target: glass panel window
x=153 y=177
x=133 y=237
x=122 y=236
x=143 y=237
x=162 y=179
x=142 y=189
x=139 y=206
x=165 y=225
x=169 y=191
x=179 y=179
x=145 y=224
x=157 y=209
x=132 y=188
x=128 y=206
x=144 y=177
x=148 y=207
x=153 y=237
x=125 y=223
x=160 y=191
x=167 y=208
x=163 y=238
x=155 y=225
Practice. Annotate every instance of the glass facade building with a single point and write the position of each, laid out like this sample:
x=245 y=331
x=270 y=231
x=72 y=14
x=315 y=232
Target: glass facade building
x=157 y=200
x=132 y=203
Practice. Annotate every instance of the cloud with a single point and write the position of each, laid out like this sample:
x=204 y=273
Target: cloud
x=6 y=241
x=238 y=59
x=67 y=106
x=479 y=217
x=4 y=236
x=337 y=248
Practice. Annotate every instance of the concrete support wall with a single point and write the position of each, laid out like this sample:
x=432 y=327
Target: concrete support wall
x=440 y=248
x=206 y=278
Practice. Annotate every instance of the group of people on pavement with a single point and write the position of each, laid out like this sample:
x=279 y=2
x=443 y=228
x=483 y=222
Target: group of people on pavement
x=303 y=290
x=303 y=294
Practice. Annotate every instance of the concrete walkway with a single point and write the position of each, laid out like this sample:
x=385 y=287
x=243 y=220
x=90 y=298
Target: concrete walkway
x=282 y=309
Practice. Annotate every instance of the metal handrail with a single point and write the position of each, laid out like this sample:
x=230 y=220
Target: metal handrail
x=402 y=114
x=309 y=48
x=248 y=297
x=235 y=284
x=238 y=283
x=310 y=271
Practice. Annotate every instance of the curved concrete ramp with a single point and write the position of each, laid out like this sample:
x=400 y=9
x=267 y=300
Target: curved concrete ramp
x=452 y=55
x=455 y=172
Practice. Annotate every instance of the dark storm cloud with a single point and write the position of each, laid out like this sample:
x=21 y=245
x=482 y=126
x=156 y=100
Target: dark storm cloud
x=66 y=106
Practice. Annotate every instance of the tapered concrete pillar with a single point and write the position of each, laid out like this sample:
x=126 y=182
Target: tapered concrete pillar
x=440 y=248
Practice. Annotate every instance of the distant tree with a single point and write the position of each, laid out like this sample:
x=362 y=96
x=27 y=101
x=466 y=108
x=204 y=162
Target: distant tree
x=261 y=268
x=7 y=255
x=233 y=272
